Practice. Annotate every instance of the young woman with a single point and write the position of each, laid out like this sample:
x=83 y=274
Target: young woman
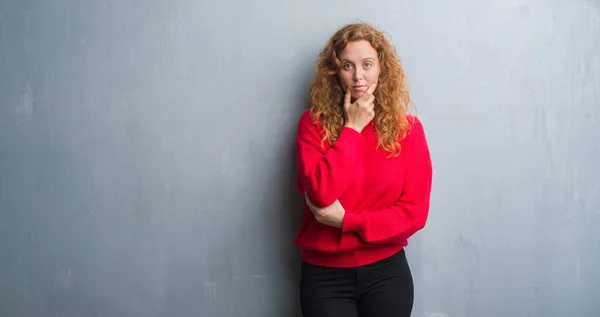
x=365 y=170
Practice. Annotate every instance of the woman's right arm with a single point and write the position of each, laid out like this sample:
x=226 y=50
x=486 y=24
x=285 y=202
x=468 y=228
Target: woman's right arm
x=324 y=173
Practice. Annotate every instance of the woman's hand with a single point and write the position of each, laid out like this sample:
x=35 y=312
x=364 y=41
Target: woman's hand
x=361 y=112
x=332 y=215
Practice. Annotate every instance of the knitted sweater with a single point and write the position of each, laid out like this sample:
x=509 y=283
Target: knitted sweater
x=386 y=199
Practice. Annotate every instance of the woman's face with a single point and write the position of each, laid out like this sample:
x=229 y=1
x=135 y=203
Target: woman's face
x=360 y=67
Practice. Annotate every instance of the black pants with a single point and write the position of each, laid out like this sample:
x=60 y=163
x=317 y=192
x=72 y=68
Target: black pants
x=381 y=289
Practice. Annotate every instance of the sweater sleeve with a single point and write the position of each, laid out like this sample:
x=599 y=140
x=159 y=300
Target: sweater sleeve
x=409 y=213
x=324 y=173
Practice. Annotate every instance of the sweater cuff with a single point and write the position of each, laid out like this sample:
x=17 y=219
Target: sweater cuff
x=350 y=131
x=352 y=222
x=348 y=139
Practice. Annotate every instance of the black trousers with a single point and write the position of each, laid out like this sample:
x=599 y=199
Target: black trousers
x=381 y=289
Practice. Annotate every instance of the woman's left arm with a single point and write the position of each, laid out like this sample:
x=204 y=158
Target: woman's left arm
x=410 y=212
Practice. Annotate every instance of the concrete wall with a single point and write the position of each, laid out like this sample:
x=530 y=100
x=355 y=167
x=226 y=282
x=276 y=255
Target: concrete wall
x=147 y=154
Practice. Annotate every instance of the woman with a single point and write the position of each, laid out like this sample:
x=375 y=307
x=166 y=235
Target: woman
x=365 y=170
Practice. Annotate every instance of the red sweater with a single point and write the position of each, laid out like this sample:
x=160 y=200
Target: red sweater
x=386 y=199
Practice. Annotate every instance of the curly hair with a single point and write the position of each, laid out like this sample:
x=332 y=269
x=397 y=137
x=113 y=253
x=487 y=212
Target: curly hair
x=392 y=99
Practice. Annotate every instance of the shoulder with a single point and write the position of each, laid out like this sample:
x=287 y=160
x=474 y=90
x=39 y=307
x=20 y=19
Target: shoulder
x=308 y=124
x=308 y=120
x=415 y=128
x=307 y=117
x=413 y=121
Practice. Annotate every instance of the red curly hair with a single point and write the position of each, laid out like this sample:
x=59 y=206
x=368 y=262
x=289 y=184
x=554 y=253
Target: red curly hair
x=392 y=100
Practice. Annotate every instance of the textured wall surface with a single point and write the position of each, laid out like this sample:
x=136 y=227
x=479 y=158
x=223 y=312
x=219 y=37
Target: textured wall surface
x=147 y=154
